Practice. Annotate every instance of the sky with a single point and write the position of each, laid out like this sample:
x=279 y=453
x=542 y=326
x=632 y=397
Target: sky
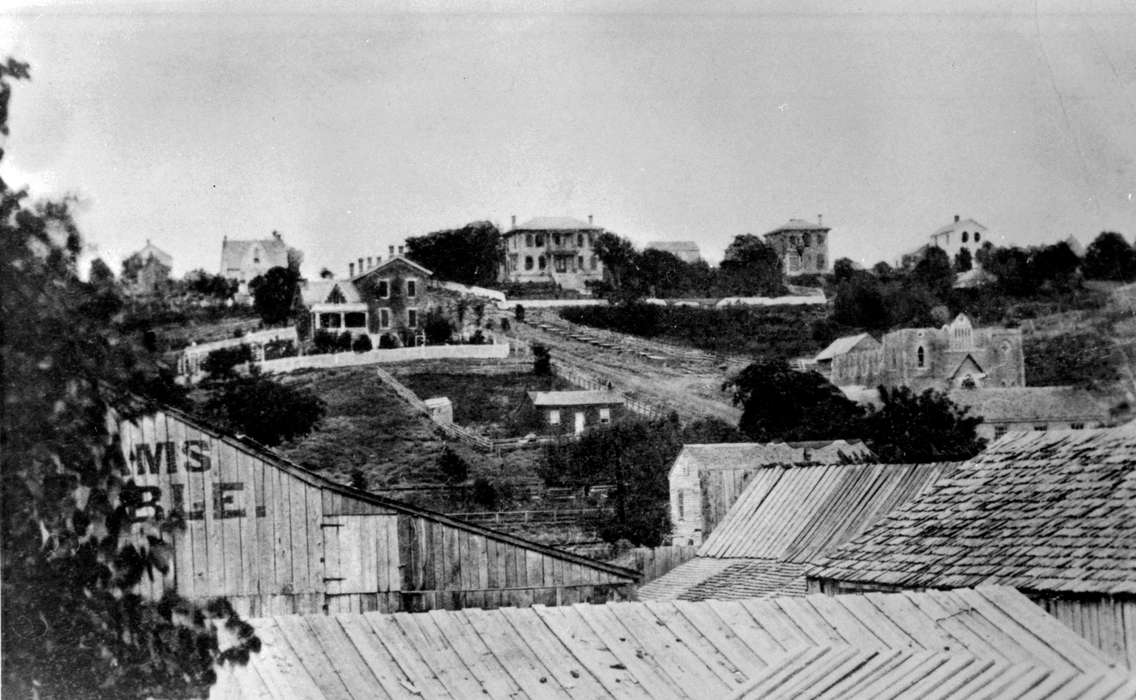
x=351 y=127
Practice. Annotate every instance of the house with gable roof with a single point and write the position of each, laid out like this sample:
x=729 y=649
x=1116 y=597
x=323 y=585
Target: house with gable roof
x=146 y=271
x=244 y=260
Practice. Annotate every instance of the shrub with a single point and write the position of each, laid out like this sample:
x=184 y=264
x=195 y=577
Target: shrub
x=454 y=468
x=275 y=349
x=542 y=360
x=264 y=409
x=358 y=479
x=323 y=341
x=519 y=313
x=437 y=327
x=343 y=342
x=387 y=341
x=478 y=338
x=222 y=362
x=362 y=344
x=484 y=493
x=505 y=325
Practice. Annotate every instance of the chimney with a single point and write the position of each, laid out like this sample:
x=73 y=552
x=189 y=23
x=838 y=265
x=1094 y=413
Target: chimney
x=820 y=219
x=369 y=265
x=400 y=250
x=514 y=221
x=350 y=269
x=360 y=266
x=956 y=218
x=392 y=251
x=589 y=219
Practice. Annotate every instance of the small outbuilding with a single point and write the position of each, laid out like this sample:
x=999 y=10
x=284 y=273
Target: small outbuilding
x=561 y=412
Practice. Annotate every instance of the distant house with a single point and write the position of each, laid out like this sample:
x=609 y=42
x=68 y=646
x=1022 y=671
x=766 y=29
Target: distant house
x=557 y=250
x=392 y=298
x=959 y=234
x=245 y=260
x=686 y=251
x=786 y=517
x=956 y=355
x=571 y=412
x=1052 y=514
x=802 y=246
x=147 y=271
x=705 y=480
x=1032 y=408
x=857 y=344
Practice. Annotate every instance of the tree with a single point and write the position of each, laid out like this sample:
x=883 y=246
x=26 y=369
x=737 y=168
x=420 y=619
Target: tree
x=210 y=286
x=843 y=270
x=1110 y=257
x=72 y=544
x=274 y=294
x=542 y=360
x=262 y=408
x=326 y=274
x=926 y=427
x=750 y=268
x=455 y=470
x=964 y=261
x=437 y=327
x=471 y=254
x=859 y=303
x=221 y=364
x=934 y=272
x=779 y=403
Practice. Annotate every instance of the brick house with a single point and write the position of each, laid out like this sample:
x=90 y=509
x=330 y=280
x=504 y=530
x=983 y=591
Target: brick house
x=571 y=412
x=802 y=246
x=558 y=250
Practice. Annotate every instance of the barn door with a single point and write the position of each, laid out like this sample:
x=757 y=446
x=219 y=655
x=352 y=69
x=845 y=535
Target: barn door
x=361 y=554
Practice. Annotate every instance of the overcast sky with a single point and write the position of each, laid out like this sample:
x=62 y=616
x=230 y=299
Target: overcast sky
x=351 y=128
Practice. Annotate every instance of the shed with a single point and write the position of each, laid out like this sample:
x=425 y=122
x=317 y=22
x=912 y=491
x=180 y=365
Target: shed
x=843 y=346
x=1052 y=514
x=787 y=517
x=275 y=538
x=705 y=480
x=955 y=643
x=573 y=411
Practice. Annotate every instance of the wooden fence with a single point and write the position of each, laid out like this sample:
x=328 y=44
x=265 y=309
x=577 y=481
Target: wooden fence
x=191 y=358
x=454 y=431
x=653 y=562
x=588 y=381
x=353 y=359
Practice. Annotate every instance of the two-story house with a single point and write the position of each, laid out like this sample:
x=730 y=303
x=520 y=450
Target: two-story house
x=558 y=250
x=244 y=261
x=802 y=246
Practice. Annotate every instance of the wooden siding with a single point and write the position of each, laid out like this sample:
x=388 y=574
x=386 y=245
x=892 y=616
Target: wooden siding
x=277 y=539
x=1107 y=622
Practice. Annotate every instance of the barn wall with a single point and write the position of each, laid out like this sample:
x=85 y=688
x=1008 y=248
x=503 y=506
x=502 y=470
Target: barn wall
x=1107 y=622
x=276 y=543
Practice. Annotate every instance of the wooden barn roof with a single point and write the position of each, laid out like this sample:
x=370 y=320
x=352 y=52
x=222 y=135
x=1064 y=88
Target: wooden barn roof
x=1040 y=511
x=133 y=406
x=654 y=650
x=745 y=455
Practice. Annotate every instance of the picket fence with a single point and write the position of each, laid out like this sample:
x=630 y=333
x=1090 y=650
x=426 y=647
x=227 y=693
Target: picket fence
x=387 y=356
x=585 y=380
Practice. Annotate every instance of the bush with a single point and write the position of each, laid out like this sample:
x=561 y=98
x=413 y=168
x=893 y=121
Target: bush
x=222 y=363
x=362 y=344
x=358 y=479
x=478 y=338
x=519 y=313
x=542 y=361
x=264 y=409
x=454 y=468
x=437 y=327
x=343 y=342
x=323 y=342
x=388 y=341
x=484 y=493
x=275 y=349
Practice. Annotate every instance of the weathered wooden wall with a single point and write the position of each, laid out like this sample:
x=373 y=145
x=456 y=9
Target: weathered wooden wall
x=720 y=489
x=1107 y=622
x=277 y=539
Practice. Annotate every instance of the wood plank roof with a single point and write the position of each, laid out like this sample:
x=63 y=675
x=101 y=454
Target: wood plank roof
x=1052 y=511
x=667 y=650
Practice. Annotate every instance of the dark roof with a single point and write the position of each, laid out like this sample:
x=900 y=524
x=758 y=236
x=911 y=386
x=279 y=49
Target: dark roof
x=795 y=225
x=576 y=398
x=745 y=455
x=708 y=578
x=662 y=650
x=556 y=223
x=1041 y=511
x=391 y=261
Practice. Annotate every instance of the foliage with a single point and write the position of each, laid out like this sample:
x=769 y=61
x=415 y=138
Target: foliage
x=274 y=294
x=209 y=286
x=926 y=427
x=1024 y=272
x=934 y=272
x=542 y=360
x=860 y=302
x=276 y=349
x=469 y=255
x=437 y=327
x=362 y=343
x=779 y=403
x=1087 y=359
x=359 y=479
x=519 y=313
x=705 y=431
x=750 y=268
x=323 y=341
x=74 y=544
x=775 y=331
x=221 y=363
x=454 y=468
x=485 y=493
x=343 y=342
x=964 y=261
x=262 y=408
x=1110 y=257
x=388 y=341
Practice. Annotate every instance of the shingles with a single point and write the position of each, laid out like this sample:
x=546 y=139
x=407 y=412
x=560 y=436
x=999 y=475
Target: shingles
x=1041 y=511
x=672 y=649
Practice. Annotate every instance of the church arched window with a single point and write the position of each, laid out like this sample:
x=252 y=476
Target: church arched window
x=920 y=357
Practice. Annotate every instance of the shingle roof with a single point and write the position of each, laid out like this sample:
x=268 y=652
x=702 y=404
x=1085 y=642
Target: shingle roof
x=1038 y=511
x=317 y=291
x=556 y=223
x=233 y=252
x=799 y=225
x=645 y=650
x=1028 y=403
x=797 y=513
x=742 y=455
x=575 y=398
x=709 y=578
x=843 y=345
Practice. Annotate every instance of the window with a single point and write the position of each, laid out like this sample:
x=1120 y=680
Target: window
x=808 y=240
x=528 y=240
x=920 y=357
x=355 y=319
x=591 y=240
x=539 y=240
x=543 y=262
x=794 y=262
x=554 y=417
x=528 y=262
x=1041 y=426
x=384 y=318
x=579 y=240
x=561 y=264
x=412 y=318
x=681 y=505
x=999 y=431
x=820 y=261
x=977 y=236
x=593 y=263
x=605 y=415
x=384 y=289
x=329 y=321
x=1077 y=426
x=556 y=239
x=965 y=237
x=411 y=288
x=580 y=263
